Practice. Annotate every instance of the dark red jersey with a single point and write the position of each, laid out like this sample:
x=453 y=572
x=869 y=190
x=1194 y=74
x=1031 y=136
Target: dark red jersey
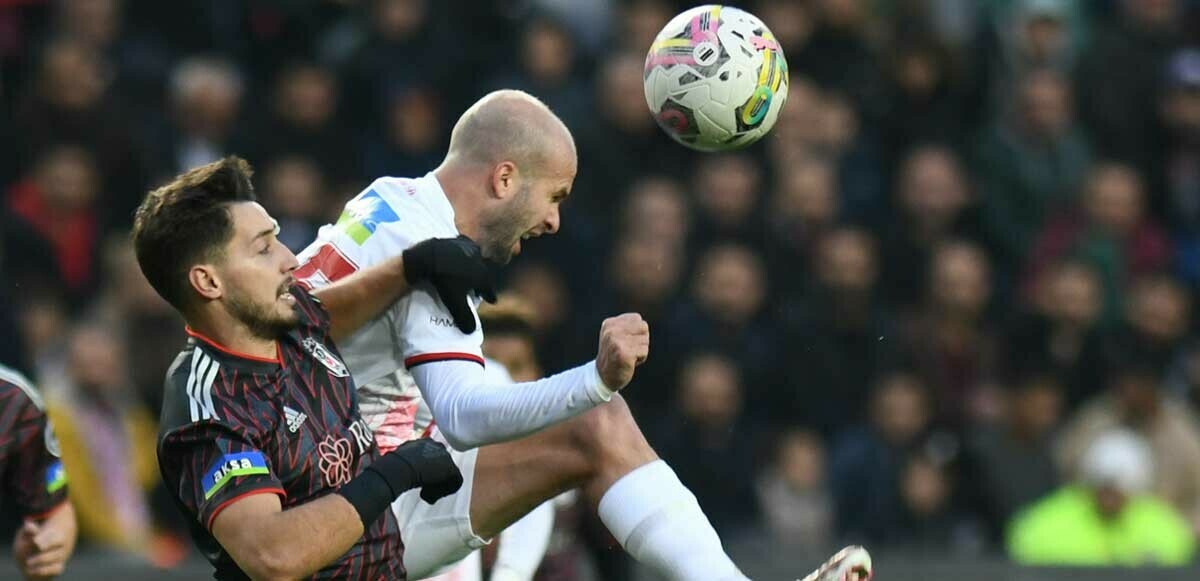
x=235 y=425
x=31 y=473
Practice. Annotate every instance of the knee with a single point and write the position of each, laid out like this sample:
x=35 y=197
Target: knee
x=608 y=430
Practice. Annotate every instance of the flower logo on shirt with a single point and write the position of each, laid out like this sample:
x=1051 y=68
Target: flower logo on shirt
x=334 y=458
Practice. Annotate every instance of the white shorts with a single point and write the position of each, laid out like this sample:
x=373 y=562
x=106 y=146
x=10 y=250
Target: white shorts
x=438 y=536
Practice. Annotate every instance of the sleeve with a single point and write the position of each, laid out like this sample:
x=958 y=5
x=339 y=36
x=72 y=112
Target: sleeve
x=472 y=412
x=35 y=478
x=425 y=332
x=208 y=465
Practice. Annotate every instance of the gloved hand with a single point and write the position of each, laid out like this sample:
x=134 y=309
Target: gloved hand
x=455 y=267
x=432 y=468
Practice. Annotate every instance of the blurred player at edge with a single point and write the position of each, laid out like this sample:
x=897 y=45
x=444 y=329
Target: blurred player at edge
x=34 y=480
x=261 y=442
x=510 y=163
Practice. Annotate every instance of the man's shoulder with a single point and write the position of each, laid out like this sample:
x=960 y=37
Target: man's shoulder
x=18 y=389
x=203 y=385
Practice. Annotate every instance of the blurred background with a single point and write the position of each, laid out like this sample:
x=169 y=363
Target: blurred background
x=949 y=301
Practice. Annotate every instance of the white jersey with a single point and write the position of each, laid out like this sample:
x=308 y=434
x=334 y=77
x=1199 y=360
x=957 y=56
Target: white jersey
x=391 y=215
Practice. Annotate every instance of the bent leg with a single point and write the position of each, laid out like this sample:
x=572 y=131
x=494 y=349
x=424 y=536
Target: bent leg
x=639 y=498
x=591 y=452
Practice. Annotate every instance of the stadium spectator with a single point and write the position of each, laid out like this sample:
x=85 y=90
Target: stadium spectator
x=107 y=440
x=727 y=314
x=548 y=68
x=1132 y=46
x=1178 y=163
x=839 y=338
x=1135 y=399
x=931 y=520
x=302 y=122
x=1106 y=516
x=1062 y=331
x=705 y=441
x=293 y=191
x=69 y=102
x=656 y=208
x=924 y=102
x=1109 y=230
x=59 y=202
x=1157 y=318
x=728 y=190
x=1010 y=462
x=205 y=102
x=802 y=208
x=794 y=491
x=411 y=139
x=934 y=202
x=950 y=342
x=866 y=461
x=1030 y=162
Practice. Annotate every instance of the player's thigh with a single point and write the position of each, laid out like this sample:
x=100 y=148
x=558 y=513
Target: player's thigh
x=589 y=451
x=513 y=478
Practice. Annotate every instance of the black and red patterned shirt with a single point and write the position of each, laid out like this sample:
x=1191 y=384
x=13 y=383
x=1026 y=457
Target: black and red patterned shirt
x=30 y=471
x=234 y=425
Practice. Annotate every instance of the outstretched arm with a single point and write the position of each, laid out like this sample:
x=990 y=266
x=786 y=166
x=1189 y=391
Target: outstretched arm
x=471 y=413
x=453 y=266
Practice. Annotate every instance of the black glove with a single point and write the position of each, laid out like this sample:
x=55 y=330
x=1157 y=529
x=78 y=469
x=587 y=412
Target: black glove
x=432 y=468
x=455 y=267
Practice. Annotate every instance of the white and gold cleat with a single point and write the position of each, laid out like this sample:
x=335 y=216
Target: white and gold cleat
x=852 y=563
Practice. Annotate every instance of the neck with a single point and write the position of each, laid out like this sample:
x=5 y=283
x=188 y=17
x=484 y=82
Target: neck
x=459 y=183
x=233 y=336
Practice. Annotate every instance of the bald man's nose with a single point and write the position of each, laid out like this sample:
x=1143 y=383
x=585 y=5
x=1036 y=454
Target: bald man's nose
x=552 y=221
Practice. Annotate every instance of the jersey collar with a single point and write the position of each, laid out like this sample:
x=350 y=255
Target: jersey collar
x=237 y=356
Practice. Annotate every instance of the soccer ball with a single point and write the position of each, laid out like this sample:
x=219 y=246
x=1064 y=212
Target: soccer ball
x=715 y=78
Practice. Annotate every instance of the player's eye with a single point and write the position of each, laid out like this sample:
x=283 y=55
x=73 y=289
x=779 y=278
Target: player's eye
x=266 y=250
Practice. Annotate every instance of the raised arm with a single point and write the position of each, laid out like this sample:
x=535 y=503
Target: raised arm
x=453 y=266
x=472 y=413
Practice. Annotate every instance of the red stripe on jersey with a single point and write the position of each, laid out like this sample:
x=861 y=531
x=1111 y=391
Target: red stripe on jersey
x=46 y=513
x=223 y=505
x=330 y=262
x=278 y=360
x=416 y=360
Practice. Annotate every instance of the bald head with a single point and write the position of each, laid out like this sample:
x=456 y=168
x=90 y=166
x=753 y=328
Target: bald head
x=510 y=125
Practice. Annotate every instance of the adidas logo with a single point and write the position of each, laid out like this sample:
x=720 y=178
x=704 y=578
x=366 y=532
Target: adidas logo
x=294 y=418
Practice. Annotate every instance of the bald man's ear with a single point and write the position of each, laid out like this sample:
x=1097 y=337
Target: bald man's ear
x=506 y=180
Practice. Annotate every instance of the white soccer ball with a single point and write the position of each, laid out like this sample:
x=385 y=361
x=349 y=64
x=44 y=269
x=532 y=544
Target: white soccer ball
x=716 y=78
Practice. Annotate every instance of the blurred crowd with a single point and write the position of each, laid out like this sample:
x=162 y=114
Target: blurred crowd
x=947 y=305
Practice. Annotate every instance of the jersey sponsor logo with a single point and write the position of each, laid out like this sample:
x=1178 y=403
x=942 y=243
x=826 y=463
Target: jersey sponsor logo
x=326 y=266
x=320 y=353
x=362 y=435
x=231 y=466
x=334 y=457
x=364 y=214
x=294 y=418
x=56 y=477
x=441 y=321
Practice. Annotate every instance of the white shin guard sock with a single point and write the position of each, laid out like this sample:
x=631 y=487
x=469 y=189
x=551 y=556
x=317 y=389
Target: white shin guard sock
x=658 y=521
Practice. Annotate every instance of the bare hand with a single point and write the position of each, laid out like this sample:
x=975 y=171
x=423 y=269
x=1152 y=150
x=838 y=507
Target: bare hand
x=40 y=552
x=624 y=344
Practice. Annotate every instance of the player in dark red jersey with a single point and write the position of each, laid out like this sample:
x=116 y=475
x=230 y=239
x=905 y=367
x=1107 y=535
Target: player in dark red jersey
x=261 y=440
x=34 y=480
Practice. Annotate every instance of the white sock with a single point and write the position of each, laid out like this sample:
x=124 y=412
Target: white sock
x=523 y=544
x=658 y=521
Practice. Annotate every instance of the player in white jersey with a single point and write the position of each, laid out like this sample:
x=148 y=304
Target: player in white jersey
x=510 y=163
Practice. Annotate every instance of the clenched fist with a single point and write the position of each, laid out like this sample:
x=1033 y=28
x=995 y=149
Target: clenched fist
x=624 y=344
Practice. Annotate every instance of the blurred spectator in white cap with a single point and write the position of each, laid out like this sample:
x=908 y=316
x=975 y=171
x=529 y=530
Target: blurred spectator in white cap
x=1136 y=401
x=1107 y=517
